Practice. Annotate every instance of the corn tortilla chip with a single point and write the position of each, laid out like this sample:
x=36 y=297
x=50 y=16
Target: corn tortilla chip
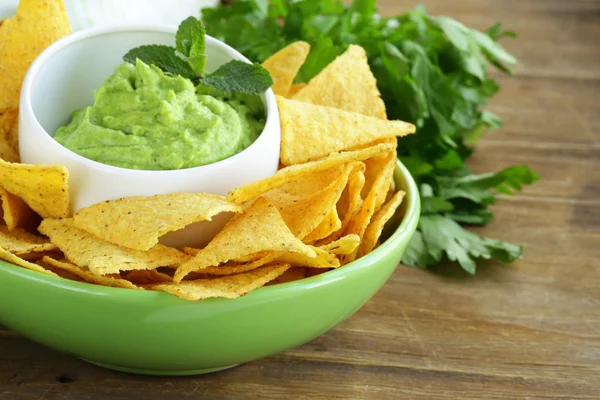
x=231 y=268
x=305 y=203
x=310 y=132
x=9 y=150
x=296 y=87
x=11 y=258
x=322 y=260
x=344 y=245
x=35 y=25
x=378 y=222
x=285 y=64
x=229 y=287
x=259 y=228
x=289 y=174
x=16 y=212
x=43 y=187
x=138 y=222
x=346 y=83
x=88 y=276
x=328 y=226
x=21 y=242
x=102 y=257
x=354 y=198
x=147 y=276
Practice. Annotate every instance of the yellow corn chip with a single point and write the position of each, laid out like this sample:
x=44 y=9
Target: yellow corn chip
x=376 y=195
x=344 y=245
x=305 y=203
x=22 y=242
x=16 y=212
x=346 y=83
x=230 y=287
x=11 y=258
x=289 y=174
x=102 y=257
x=329 y=225
x=138 y=222
x=285 y=64
x=88 y=276
x=353 y=199
x=259 y=228
x=43 y=187
x=322 y=260
x=296 y=87
x=310 y=132
x=9 y=150
x=147 y=276
x=291 y=275
x=236 y=267
x=378 y=221
x=35 y=25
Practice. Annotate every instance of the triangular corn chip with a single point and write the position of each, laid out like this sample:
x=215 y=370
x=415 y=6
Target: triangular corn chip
x=344 y=245
x=285 y=64
x=43 y=187
x=21 y=242
x=259 y=228
x=234 y=267
x=88 y=276
x=138 y=222
x=322 y=260
x=346 y=83
x=229 y=287
x=296 y=87
x=11 y=258
x=310 y=132
x=102 y=257
x=16 y=212
x=354 y=202
x=9 y=151
x=289 y=174
x=378 y=221
x=329 y=225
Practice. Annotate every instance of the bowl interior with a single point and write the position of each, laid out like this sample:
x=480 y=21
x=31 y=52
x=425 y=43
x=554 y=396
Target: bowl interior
x=69 y=73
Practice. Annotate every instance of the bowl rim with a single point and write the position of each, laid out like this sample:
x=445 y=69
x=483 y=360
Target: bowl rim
x=407 y=227
x=26 y=108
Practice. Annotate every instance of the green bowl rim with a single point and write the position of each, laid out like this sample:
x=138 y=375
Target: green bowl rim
x=406 y=227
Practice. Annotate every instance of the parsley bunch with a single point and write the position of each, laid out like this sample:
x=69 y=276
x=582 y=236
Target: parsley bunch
x=431 y=71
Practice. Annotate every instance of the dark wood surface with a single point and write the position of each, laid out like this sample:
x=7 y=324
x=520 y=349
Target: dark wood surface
x=526 y=331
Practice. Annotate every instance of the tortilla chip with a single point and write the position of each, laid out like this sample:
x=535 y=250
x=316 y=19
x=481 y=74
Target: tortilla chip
x=291 y=275
x=376 y=196
x=296 y=87
x=21 y=242
x=147 y=276
x=43 y=187
x=378 y=222
x=329 y=225
x=305 y=203
x=346 y=83
x=138 y=222
x=310 y=132
x=16 y=212
x=35 y=25
x=289 y=174
x=229 y=287
x=102 y=257
x=349 y=203
x=322 y=260
x=344 y=245
x=9 y=150
x=259 y=228
x=88 y=276
x=11 y=258
x=285 y=64
x=235 y=267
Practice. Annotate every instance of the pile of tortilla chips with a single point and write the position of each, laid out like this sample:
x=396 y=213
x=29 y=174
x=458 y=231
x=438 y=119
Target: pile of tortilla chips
x=326 y=206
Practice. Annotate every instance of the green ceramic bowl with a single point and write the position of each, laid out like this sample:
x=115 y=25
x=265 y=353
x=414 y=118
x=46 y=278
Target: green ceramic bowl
x=157 y=333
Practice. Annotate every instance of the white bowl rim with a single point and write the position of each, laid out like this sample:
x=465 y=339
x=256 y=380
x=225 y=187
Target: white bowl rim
x=26 y=106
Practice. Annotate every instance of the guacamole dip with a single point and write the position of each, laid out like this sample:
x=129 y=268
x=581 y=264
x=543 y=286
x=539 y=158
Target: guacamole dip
x=144 y=119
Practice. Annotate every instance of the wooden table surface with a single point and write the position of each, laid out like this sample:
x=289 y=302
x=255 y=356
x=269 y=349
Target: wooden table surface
x=526 y=331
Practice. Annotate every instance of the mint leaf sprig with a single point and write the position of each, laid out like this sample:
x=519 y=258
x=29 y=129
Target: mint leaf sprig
x=188 y=59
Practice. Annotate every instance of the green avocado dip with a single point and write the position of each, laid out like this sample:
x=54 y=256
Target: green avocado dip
x=144 y=119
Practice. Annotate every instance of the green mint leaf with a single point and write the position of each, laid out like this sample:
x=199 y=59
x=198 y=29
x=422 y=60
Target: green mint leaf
x=190 y=42
x=239 y=77
x=164 y=57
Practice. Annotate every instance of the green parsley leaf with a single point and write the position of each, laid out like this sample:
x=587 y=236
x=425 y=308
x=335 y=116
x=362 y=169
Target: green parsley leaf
x=190 y=43
x=163 y=57
x=239 y=77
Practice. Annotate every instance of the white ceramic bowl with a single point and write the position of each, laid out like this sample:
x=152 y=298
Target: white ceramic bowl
x=62 y=79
